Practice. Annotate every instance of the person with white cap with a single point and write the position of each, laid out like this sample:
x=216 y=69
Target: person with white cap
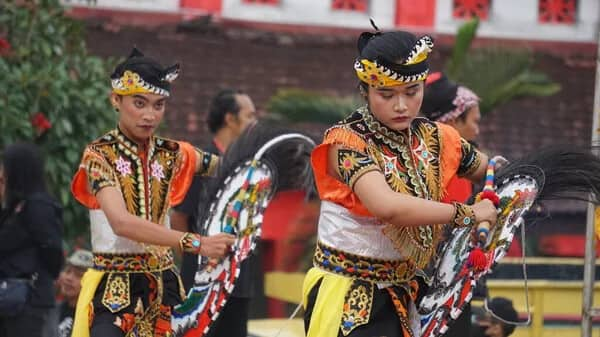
x=70 y=286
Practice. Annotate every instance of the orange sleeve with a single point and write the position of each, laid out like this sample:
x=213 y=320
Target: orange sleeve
x=184 y=173
x=450 y=156
x=93 y=174
x=330 y=188
x=79 y=189
x=458 y=190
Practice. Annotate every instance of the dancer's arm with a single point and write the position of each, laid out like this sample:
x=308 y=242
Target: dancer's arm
x=206 y=163
x=390 y=206
x=479 y=173
x=138 y=229
x=405 y=210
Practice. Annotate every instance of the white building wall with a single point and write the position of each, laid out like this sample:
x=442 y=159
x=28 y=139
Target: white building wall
x=513 y=19
x=311 y=12
x=167 y=6
x=518 y=19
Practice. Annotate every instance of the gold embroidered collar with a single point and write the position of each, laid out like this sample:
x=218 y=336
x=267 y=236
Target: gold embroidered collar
x=391 y=138
x=130 y=144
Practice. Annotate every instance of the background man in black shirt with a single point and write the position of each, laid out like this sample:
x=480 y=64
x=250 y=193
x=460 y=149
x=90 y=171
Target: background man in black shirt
x=231 y=111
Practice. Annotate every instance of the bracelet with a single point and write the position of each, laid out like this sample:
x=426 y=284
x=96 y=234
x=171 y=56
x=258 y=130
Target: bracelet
x=463 y=215
x=190 y=243
x=482 y=231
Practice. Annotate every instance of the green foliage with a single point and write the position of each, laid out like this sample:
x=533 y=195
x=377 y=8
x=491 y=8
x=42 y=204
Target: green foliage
x=498 y=80
x=296 y=105
x=46 y=69
x=496 y=74
x=464 y=37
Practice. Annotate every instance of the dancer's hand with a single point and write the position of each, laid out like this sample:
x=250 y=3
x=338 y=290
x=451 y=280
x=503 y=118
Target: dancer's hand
x=216 y=246
x=500 y=162
x=485 y=211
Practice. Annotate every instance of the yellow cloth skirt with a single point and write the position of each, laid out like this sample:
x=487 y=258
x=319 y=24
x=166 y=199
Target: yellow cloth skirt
x=327 y=312
x=89 y=283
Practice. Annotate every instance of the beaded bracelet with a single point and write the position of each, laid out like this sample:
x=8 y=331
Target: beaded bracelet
x=463 y=215
x=190 y=243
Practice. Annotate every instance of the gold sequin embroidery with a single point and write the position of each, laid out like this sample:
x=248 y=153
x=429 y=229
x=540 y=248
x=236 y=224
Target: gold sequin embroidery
x=116 y=293
x=357 y=306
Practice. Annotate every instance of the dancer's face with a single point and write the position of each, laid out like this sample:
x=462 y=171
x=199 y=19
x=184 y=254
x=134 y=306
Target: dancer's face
x=396 y=106
x=139 y=114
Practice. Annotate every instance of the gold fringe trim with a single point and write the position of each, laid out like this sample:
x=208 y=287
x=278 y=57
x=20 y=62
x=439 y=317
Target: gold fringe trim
x=403 y=242
x=441 y=192
x=343 y=136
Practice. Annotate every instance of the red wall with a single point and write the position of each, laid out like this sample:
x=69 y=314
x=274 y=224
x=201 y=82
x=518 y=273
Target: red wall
x=411 y=13
x=209 y=6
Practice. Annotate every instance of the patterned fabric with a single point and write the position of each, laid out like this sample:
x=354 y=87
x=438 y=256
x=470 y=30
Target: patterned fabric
x=363 y=268
x=464 y=100
x=353 y=164
x=401 y=302
x=138 y=303
x=357 y=306
x=139 y=74
x=209 y=164
x=132 y=83
x=420 y=162
x=150 y=180
x=410 y=162
x=133 y=263
x=379 y=74
x=329 y=298
x=116 y=295
x=190 y=243
x=144 y=178
x=463 y=216
x=470 y=159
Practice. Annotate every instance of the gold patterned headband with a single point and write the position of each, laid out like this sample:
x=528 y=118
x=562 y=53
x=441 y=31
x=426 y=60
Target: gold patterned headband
x=378 y=75
x=132 y=83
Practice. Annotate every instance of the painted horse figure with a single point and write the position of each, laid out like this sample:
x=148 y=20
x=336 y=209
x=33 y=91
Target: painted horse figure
x=553 y=173
x=261 y=162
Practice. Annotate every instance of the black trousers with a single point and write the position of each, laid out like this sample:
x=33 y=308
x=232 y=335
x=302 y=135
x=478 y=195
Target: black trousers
x=103 y=324
x=233 y=319
x=232 y=322
x=384 y=320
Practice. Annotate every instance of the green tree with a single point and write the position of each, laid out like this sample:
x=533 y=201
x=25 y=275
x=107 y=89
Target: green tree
x=52 y=92
x=496 y=74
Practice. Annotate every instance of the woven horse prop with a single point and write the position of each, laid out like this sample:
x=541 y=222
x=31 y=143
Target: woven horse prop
x=261 y=162
x=553 y=173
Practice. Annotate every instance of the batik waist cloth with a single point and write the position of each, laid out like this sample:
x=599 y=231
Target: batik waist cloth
x=133 y=262
x=347 y=286
x=363 y=268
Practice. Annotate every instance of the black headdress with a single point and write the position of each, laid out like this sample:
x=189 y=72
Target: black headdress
x=141 y=74
x=392 y=58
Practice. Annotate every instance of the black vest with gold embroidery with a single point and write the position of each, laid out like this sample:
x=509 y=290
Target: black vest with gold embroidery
x=410 y=162
x=143 y=177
